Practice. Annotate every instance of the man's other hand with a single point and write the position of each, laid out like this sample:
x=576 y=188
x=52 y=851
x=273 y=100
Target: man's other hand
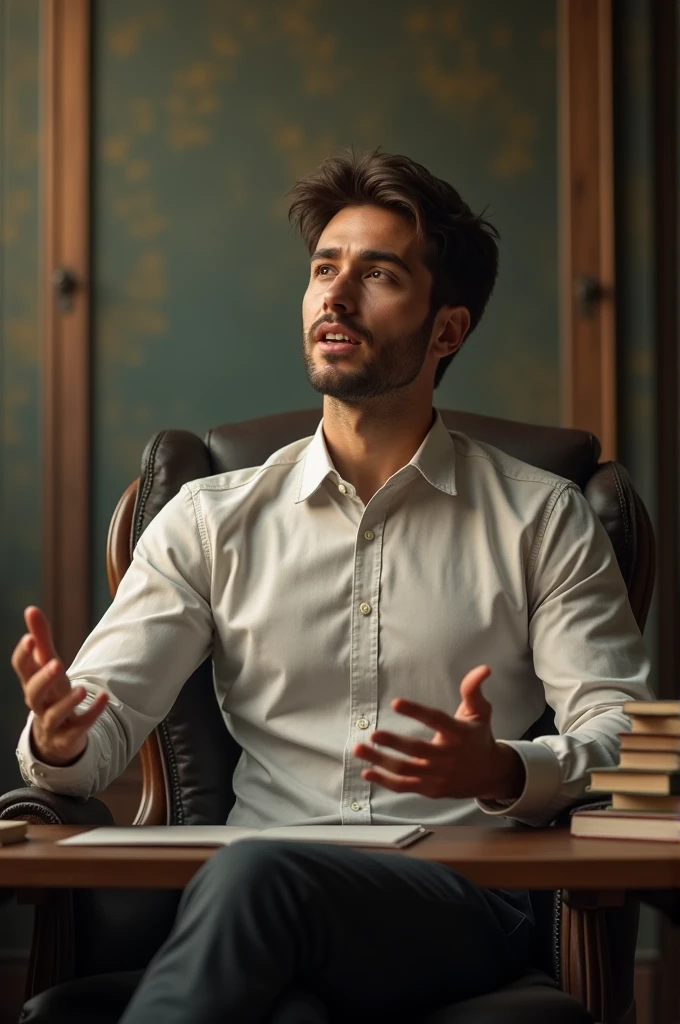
x=461 y=760
x=58 y=735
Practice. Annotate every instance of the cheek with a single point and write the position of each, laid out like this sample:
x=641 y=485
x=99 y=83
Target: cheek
x=309 y=304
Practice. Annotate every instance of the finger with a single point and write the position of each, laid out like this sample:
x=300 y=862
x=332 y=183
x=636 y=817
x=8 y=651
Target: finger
x=396 y=765
x=48 y=685
x=437 y=720
x=398 y=784
x=405 y=744
x=59 y=711
x=23 y=658
x=38 y=625
x=473 y=702
x=77 y=724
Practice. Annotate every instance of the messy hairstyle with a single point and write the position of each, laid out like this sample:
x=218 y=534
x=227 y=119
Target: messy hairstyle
x=461 y=248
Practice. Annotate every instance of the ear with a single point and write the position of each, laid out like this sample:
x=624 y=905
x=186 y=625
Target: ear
x=450 y=330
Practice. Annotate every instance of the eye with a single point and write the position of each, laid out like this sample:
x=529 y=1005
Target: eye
x=321 y=270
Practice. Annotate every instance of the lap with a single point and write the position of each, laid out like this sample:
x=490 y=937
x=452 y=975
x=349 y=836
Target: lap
x=385 y=923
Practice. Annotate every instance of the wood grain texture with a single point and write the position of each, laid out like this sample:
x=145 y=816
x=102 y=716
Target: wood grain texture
x=66 y=412
x=498 y=858
x=119 y=539
x=147 y=770
x=587 y=218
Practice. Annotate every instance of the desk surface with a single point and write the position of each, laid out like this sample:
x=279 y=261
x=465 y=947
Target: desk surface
x=498 y=858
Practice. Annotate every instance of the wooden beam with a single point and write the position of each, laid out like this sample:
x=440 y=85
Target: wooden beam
x=66 y=327
x=586 y=216
x=665 y=220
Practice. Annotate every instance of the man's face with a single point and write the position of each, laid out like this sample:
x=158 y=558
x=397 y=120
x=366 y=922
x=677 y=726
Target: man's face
x=369 y=283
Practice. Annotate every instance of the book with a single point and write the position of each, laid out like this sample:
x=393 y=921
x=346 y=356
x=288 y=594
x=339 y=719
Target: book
x=654 y=804
x=662 y=760
x=649 y=741
x=612 y=825
x=384 y=836
x=616 y=780
x=662 y=708
x=12 y=831
x=649 y=724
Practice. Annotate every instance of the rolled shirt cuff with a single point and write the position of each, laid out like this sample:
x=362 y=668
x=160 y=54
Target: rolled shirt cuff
x=73 y=779
x=539 y=801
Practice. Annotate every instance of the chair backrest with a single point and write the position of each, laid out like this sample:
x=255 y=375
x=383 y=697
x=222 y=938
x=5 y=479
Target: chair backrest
x=189 y=759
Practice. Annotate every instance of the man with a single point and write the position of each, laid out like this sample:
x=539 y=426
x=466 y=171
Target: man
x=355 y=592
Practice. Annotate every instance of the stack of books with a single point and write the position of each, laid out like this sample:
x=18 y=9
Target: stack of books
x=645 y=786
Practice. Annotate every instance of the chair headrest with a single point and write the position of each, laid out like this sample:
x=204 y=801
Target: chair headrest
x=572 y=454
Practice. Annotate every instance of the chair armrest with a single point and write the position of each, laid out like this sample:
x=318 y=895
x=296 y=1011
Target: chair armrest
x=53 y=946
x=41 y=807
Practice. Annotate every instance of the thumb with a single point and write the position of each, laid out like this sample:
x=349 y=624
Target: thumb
x=473 y=703
x=39 y=628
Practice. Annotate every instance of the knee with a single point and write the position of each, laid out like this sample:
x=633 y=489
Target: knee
x=249 y=866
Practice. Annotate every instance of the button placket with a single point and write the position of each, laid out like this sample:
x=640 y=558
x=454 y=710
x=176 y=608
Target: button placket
x=364 y=668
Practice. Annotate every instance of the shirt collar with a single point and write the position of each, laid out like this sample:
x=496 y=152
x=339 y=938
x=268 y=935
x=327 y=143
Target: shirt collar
x=435 y=460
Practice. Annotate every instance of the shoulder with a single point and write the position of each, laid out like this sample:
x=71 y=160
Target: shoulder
x=481 y=461
x=278 y=467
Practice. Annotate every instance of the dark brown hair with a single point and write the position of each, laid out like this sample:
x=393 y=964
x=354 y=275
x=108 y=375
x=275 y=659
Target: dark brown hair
x=461 y=249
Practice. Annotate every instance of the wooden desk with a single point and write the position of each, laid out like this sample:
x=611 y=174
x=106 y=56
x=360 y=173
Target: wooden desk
x=498 y=858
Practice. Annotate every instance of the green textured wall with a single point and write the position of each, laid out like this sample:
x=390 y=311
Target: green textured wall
x=20 y=491
x=206 y=113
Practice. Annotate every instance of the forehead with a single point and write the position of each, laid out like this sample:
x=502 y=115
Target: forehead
x=371 y=227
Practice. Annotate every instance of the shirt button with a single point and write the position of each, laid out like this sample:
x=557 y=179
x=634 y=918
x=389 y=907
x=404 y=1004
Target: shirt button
x=342 y=489
x=369 y=535
x=365 y=609
x=356 y=806
x=363 y=723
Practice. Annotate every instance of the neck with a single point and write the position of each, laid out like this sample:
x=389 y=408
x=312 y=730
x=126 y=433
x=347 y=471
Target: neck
x=369 y=443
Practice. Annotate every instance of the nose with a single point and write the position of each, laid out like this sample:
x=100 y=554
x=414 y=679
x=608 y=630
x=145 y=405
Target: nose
x=338 y=297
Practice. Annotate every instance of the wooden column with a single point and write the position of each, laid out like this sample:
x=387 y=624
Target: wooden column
x=586 y=216
x=66 y=325
x=665 y=221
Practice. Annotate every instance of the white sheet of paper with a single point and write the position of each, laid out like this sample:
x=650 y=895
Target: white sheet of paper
x=223 y=835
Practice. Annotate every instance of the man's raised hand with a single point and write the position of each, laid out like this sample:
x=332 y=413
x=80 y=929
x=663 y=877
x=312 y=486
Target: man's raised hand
x=462 y=759
x=58 y=734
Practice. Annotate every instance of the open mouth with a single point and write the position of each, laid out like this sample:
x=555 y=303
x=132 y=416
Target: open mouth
x=333 y=338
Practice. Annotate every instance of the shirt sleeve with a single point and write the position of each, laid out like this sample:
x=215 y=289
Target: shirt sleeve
x=587 y=650
x=157 y=631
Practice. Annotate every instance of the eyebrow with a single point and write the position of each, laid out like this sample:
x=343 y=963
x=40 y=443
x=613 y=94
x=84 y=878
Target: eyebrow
x=366 y=255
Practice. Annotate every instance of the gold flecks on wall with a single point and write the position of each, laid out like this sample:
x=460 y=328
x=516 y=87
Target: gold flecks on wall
x=148 y=283
x=300 y=151
x=17 y=205
x=224 y=44
x=126 y=37
x=468 y=83
x=115 y=148
x=142 y=115
x=313 y=47
x=137 y=170
x=516 y=155
x=139 y=213
x=193 y=103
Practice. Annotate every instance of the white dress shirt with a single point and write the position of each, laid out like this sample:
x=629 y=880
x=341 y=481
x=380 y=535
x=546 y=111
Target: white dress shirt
x=318 y=611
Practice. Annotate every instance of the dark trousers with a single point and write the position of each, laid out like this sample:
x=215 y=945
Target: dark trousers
x=286 y=933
